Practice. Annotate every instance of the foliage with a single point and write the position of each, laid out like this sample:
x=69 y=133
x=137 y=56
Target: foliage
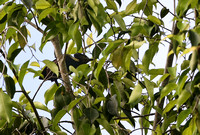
x=120 y=86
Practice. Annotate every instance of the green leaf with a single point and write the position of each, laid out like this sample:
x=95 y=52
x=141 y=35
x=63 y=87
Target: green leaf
x=39 y=105
x=150 y=89
x=58 y=117
x=131 y=7
x=111 y=5
x=22 y=36
x=159 y=71
x=111 y=47
x=3 y=68
x=99 y=67
x=182 y=98
x=154 y=19
x=92 y=114
x=194 y=38
x=185 y=64
x=35 y=64
x=118 y=18
x=61 y=98
x=106 y=125
x=42 y=4
x=10 y=86
x=52 y=66
x=169 y=106
x=73 y=103
x=5 y=107
x=135 y=94
x=181 y=117
x=28 y=3
x=75 y=34
x=22 y=72
x=46 y=12
x=164 y=11
x=3 y=1
x=194 y=61
x=49 y=94
x=167 y=89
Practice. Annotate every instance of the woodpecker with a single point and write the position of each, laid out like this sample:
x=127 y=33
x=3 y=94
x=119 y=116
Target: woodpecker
x=75 y=61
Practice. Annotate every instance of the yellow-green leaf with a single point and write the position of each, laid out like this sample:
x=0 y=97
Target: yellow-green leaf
x=154 y=19
x=42 y=4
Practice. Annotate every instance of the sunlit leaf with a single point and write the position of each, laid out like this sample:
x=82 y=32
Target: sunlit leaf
x=182 y=98
x=167 y=89
x=169 y=106
x=5 y=107
x=135 y=94
x=154 y=19
x=42 y=4
x=39 y=105
x=181 y=117
x=23 y=72
x=131 y=7
x=49 y=94
x=52 y=66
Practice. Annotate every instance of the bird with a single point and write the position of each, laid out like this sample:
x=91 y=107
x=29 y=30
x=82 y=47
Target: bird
x=75 y=61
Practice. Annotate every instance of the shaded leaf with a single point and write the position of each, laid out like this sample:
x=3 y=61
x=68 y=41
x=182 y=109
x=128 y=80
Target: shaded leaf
x=106 y=125
x=92 y=114
x=10 y=86
x=164 y=11
x=112 y=106
x=118 y=18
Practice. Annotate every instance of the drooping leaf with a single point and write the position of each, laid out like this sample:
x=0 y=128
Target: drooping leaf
x=5 y=107
x=150 y=89
x=23 y=72
x=3 y=68
x=164 y=11
x=118 y=18
x=22 y=36
x=10 y=86
x=106 y=125
x=49 y=94
x=194 y=38
x=194 y=61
